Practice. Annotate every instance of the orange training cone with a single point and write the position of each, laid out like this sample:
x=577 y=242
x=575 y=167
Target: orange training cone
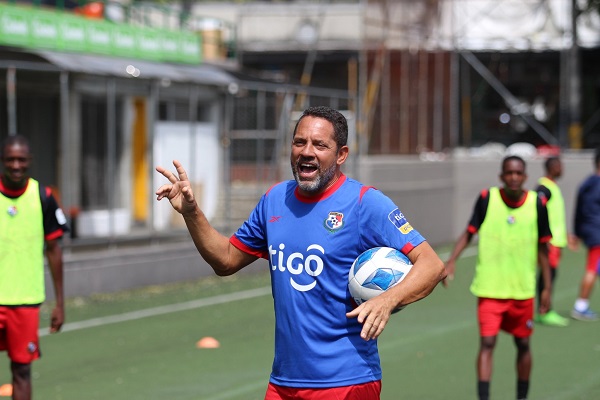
x=6 y=390
x=207 y=343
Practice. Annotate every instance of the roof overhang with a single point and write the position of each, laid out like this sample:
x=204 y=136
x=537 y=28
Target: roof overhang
x=136 y=69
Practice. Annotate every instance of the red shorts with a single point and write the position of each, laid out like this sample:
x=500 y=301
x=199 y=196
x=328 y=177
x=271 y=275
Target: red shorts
x=19 y=333
x=593 y=260
x=365 y=391
x=554 y=254
x=512 y=316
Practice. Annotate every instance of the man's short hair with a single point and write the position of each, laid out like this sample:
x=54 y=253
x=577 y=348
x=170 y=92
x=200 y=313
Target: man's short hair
x=337 y=119
x=550 y=161
x=12 y=140
x=513 y=158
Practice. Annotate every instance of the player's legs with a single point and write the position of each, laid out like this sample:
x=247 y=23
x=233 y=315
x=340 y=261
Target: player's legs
x=551 y=317
x=518 y=322
x=365 y=391
x=19 y=336
x=489 y=314
x=523 y=366
x=21 y=381
x=581 y=309
x=487 y=344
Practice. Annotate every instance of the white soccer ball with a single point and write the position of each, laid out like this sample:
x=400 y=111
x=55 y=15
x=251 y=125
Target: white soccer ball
x=375 y=271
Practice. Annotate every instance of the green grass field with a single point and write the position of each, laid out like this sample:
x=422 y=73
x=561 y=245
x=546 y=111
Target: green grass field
x=142 y=345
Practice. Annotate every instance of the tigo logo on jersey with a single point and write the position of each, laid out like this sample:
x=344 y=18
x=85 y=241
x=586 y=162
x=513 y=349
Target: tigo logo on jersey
x=397 y=218
x=334 y=221
x=305 y=267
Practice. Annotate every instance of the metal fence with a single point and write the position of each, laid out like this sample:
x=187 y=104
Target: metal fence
x=259 y=121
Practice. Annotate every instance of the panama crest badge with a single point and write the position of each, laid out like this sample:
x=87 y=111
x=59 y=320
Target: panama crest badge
x=334 y=221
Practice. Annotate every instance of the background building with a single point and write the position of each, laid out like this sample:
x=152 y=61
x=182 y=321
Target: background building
x=435 y=92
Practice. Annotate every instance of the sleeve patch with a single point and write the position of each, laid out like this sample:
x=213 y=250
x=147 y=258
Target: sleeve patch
x=397 y=218
x=406 y=228
x=60 y=216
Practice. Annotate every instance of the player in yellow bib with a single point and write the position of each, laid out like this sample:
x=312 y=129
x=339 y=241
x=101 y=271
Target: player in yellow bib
x=513 y=229
x=558 y=225
x=31 y=224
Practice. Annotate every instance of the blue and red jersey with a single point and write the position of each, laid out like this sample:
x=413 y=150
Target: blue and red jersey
x=311 y=244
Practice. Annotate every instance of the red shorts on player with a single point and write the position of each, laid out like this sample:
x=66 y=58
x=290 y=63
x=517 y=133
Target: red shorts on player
x=554 y=254
x=593 y=260
x=19 y=333
x=365 y=391
x=512 y=316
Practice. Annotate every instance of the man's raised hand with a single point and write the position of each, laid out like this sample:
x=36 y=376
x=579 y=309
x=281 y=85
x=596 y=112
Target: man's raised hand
x=178 y=191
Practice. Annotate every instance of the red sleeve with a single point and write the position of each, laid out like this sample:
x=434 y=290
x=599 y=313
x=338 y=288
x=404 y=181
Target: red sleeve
x=241 y=246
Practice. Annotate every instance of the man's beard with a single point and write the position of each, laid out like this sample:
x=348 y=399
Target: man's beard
x=322 y=180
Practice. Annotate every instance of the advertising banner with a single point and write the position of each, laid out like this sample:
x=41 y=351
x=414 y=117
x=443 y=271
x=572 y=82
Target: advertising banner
x=58 y=30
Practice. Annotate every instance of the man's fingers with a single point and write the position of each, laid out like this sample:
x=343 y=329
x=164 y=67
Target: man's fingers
x=180 y=171
x=163 y=191
x=167 y=174
x=188 y=194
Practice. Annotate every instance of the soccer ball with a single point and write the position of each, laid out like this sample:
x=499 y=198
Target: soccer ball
x=375 y=271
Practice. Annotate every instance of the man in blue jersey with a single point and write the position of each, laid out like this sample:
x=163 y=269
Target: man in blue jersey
x=587 y=229
x=324 y=348
x=31 y=224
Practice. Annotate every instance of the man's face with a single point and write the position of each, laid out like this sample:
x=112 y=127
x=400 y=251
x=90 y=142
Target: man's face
x=556 y=169
x=513 y=176
x=315 y=158
x=16 y=160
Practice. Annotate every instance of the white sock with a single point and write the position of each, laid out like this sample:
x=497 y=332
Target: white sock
x=581 y=305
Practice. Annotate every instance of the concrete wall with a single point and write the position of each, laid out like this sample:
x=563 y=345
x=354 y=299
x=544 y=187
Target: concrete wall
x=436 y=197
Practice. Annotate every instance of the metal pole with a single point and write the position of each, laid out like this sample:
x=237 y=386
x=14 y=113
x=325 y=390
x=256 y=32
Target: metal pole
x=574 y=77
x=65 y=154
x=193 y=116
x=111 y=153
x=454 y=100
x=11 y=97
x=438 y=112
x=226 y=142
x=261 y=103
x=152 y=117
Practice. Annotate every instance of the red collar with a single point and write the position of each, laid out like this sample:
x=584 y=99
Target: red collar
x=511 y=203
x=13 y=193
x=321 y=196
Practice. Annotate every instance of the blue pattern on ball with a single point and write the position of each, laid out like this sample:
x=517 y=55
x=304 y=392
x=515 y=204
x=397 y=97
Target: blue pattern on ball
x=364 y=257
x=396 y=255
x=383 y=279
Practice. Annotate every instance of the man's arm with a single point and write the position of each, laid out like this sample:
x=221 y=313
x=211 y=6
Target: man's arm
x=462 y=242
x=215 y=248
x=224 y=258
x=477 y=218
x=545 y=298
x=55 y=264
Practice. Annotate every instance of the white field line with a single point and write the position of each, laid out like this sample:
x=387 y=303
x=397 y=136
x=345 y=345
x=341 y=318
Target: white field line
x=189 y=305
x=152 y=312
